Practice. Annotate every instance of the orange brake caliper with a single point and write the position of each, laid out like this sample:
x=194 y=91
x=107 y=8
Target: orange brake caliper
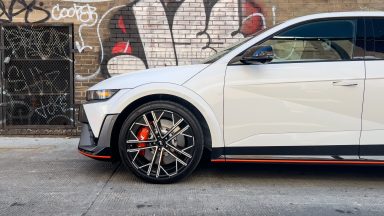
x=142 y=135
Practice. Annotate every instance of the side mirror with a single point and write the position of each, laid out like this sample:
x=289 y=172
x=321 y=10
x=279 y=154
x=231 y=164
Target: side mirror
x=258 y=55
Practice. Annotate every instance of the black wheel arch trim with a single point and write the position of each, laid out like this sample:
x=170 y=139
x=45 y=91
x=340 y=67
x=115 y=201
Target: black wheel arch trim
x=100 y=146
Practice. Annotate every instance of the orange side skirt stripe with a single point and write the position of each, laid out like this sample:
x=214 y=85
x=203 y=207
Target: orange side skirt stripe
x=298 y=161
x=95 y=156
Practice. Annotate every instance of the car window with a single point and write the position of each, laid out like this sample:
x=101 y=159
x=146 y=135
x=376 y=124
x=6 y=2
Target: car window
x=331 y=40
x=375 y=39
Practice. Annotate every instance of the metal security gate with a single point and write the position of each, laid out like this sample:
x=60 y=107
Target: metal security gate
x=37 y=76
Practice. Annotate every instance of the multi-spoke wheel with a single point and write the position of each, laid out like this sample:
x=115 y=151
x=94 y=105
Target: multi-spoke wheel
x=161 y=142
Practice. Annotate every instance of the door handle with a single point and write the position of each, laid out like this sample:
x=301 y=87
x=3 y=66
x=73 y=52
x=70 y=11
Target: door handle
x=345 y=83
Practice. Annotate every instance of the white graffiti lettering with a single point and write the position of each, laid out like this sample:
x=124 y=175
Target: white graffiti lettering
x=85 y=14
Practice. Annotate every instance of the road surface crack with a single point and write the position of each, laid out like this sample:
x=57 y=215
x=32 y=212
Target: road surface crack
x=101 y=190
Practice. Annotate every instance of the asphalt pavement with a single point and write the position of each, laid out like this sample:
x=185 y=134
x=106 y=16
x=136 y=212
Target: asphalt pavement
x=47 y=176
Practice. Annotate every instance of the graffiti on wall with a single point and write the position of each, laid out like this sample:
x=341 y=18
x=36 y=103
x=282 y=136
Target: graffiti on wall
x=140 y=34
x=208 y=6
x=170 y=9
x=23 y=8
x=251 y=18
x=86 y=15
x=102 y=47
x=39 y=43
x=128 y=42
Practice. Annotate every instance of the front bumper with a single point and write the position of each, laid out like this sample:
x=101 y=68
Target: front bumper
x=97 y=148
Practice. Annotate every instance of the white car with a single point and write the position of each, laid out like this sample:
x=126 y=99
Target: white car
x=310 y=90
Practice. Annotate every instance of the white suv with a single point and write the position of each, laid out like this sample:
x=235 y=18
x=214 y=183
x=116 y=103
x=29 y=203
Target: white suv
x=310 y=90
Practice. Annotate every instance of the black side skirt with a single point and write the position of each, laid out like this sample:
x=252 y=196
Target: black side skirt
x=329 y=150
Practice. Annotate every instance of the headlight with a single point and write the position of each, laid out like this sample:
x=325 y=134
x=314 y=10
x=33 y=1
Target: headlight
x=100 y=94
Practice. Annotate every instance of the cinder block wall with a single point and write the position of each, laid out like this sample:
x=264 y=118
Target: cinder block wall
x=119 y=36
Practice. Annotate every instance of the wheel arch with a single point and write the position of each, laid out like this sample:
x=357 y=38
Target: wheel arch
x=189 y=104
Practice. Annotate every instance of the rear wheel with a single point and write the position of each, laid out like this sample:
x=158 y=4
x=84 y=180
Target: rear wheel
x=161 y=142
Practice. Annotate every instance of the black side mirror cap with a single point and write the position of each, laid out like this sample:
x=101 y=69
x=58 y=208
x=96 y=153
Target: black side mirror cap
x=258 y=55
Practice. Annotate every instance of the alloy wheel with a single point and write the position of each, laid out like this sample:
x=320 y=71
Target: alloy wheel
x=160 y=143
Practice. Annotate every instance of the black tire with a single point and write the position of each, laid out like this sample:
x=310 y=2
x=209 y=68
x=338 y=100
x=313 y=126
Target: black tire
x=178 y=154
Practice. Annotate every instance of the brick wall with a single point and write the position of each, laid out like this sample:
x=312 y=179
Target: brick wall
x=120 y=36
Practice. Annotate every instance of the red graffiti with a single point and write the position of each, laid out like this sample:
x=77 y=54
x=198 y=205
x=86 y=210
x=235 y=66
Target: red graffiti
x=121 y=25
x=122 y=48
x=253 y=18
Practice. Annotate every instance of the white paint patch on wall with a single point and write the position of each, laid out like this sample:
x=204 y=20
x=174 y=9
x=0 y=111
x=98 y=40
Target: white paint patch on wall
x=274 y=14
x=155 y=33
x=124 y=64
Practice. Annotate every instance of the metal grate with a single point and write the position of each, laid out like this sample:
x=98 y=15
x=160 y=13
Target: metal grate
x=37 y=42
x=37 y=76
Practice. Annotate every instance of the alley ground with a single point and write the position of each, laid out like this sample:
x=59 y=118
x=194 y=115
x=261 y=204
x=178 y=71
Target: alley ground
x=47 y=176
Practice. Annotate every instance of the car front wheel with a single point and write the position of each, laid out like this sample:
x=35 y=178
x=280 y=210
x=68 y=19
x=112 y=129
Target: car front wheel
x=161 y=142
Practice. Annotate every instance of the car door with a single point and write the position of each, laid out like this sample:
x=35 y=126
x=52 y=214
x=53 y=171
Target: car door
x=372 y=136
x=306 y=102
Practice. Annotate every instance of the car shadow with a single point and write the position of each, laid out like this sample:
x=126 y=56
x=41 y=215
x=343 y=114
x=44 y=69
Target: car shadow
x=288 y=174
x=291 y=171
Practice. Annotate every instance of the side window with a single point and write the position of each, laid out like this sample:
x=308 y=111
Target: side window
x=331 y=40
x=375 y=39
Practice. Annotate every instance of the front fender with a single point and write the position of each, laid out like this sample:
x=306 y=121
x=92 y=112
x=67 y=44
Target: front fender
x=96 y=112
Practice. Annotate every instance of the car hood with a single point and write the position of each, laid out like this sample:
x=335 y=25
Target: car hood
x=176 y=75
